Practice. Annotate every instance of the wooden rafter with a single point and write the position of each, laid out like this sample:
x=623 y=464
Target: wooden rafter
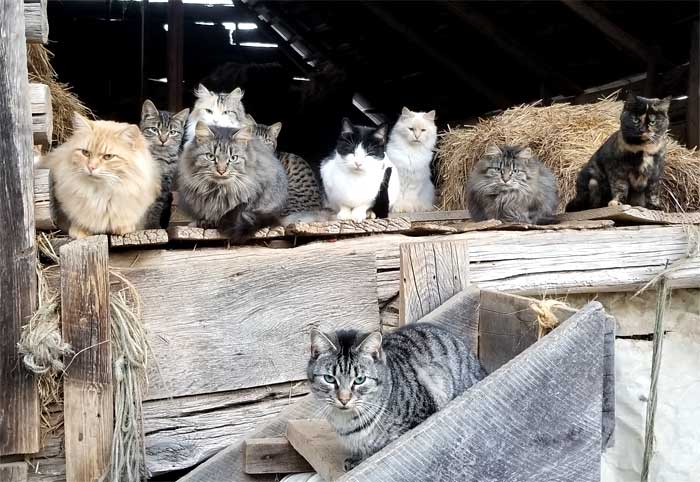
x=693 y=136
x=175 y=51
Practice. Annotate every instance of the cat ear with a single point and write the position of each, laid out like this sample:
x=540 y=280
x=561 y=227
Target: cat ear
x=274 y=130
x=347 y=126
x=663 y=104
x=202 y=132
x=182 y=116
x=406 y=111
x=524 y=154
x=249 y=119
x=80 y=122
x=493 y=151
x=202 y=91
x=149 y=109
x=630 y=100
x=430 y=115
x=130 y=134
x=243 y=135
x=372 y=344
x=236 y=94
x=320 y=343
x=381 y=132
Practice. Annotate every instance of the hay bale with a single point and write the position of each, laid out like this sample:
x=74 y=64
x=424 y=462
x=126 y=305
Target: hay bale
x=564 y=137
x=64 y=102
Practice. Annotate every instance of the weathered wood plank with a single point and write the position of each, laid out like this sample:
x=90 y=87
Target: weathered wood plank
x=14 y=472
x=457 y=215
x=19 y=402
x=340 y=227
x=591 y=214
x=508 y=326
x=318 y=443
x=42 y=114
x=431 y=273
x=182 y=432
x=578 y=225
x=192 y=233
x=88 y=408
x=36 y=21
x=631 y=214
x=147 y=237
x=274 y=297
x=453 y=227
x=460 y=315
x=273 y=455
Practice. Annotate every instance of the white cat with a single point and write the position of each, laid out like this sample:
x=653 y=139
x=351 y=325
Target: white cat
x=216 y=109
x=353 y=175
x=410 y=149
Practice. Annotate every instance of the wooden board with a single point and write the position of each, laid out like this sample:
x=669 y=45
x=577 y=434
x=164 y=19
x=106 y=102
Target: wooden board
x=507 y=326
x=431 y=273
x=191 y=233
x=184 y=431
x=19 y=402
x=14 y=472
x=87 y=388
x=318 y=443
x=632 y=214
x=338 y=227
x=227 y=308
x=36 y=21
x=460 y=315
x=428 y=216
x=42 y=114
x=273 y=455
x=147 y=237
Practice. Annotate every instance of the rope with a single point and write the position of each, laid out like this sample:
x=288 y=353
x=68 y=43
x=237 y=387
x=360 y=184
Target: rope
x=662 y=295
x=546 y=319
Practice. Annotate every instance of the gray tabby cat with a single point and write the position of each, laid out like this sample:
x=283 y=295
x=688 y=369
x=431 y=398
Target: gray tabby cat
x=230 y=181
x=164 y=133
x=376 y=389
x=511 y=185
x=304 y=185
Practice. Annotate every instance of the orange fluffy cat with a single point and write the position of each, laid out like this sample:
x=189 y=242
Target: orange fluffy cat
x=103 y=178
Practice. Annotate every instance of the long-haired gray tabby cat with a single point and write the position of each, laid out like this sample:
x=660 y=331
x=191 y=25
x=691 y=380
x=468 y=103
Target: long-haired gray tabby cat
x=229 y=181
x=164 y=132
x=510 y=184
x=376 y=389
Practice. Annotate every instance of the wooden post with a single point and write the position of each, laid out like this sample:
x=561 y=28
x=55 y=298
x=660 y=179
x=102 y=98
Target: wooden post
x=176 y=16
x=36 y=21
x=14 y=472
x=693 y=126
x=19 y=401
x=88 y=407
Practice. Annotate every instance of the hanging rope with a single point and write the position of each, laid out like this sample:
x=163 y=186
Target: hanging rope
x=546 y=319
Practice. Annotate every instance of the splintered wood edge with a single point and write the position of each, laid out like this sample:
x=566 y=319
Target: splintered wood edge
x=147 y=237
x=273 y=455
x=334 y=228
x=191 y=233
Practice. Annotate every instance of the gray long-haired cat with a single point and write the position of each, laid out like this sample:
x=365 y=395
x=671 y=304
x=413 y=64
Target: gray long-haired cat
x=229 y=181
x=510 y=184
x=376 y=389
x=164 y=132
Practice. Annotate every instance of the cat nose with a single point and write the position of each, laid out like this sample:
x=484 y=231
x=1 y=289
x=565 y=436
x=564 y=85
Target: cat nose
x=91 y=167
x=221 y=171
x=344 y=398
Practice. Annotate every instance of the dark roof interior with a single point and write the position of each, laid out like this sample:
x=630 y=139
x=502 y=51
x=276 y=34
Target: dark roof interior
x=462 y=58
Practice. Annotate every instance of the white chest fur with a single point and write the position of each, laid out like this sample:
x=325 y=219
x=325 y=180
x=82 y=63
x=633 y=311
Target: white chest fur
x=413 y=163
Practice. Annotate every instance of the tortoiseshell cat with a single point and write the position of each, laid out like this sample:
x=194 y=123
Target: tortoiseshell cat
x=628 y=167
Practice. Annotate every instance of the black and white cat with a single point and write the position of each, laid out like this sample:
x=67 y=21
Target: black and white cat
x=357 y=171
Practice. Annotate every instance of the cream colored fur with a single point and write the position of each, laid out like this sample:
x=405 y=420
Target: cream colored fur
x=104 y=178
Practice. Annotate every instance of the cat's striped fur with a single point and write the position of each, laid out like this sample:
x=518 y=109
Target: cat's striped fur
x=304 y=184
x=375 y=389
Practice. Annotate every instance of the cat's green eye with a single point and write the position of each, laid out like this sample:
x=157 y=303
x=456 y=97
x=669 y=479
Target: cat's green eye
x=85 y=152
x=329 y=378
x=209 y=156
x=234 y=158
x=652 y=122
x=152 y=130
x=360 y=380
x=108 y=157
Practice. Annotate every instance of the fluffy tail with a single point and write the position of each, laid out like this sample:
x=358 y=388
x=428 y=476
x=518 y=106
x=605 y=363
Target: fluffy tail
x=241 y=224
x=381 y=202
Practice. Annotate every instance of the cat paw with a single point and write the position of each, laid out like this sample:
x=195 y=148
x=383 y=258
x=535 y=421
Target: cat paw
x=359 y=214
x=614 y=203
x=78 y=233
x=344 y=214
x=122 y=230
x=371 y=215
x=350 y=463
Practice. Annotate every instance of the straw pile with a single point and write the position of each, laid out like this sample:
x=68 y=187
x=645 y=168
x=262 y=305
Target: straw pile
x=564 y=137
x=64 y=102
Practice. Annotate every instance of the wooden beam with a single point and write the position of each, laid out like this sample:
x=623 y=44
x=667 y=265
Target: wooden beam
x=273 y=455
x=36 y=21
x=42 y=114
x=612 y=32
x=650 y=86
x=88 y=398
x=425 y=45
x=431 y=273
x=693 y=114
x=176 y=14
x=318 y=443
x=510 y=46
x=14 y=472
x=19 y=401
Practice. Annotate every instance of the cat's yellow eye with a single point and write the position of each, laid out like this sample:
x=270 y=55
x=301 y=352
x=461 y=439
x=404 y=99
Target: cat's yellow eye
x=108 y=157
x=85 y=152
